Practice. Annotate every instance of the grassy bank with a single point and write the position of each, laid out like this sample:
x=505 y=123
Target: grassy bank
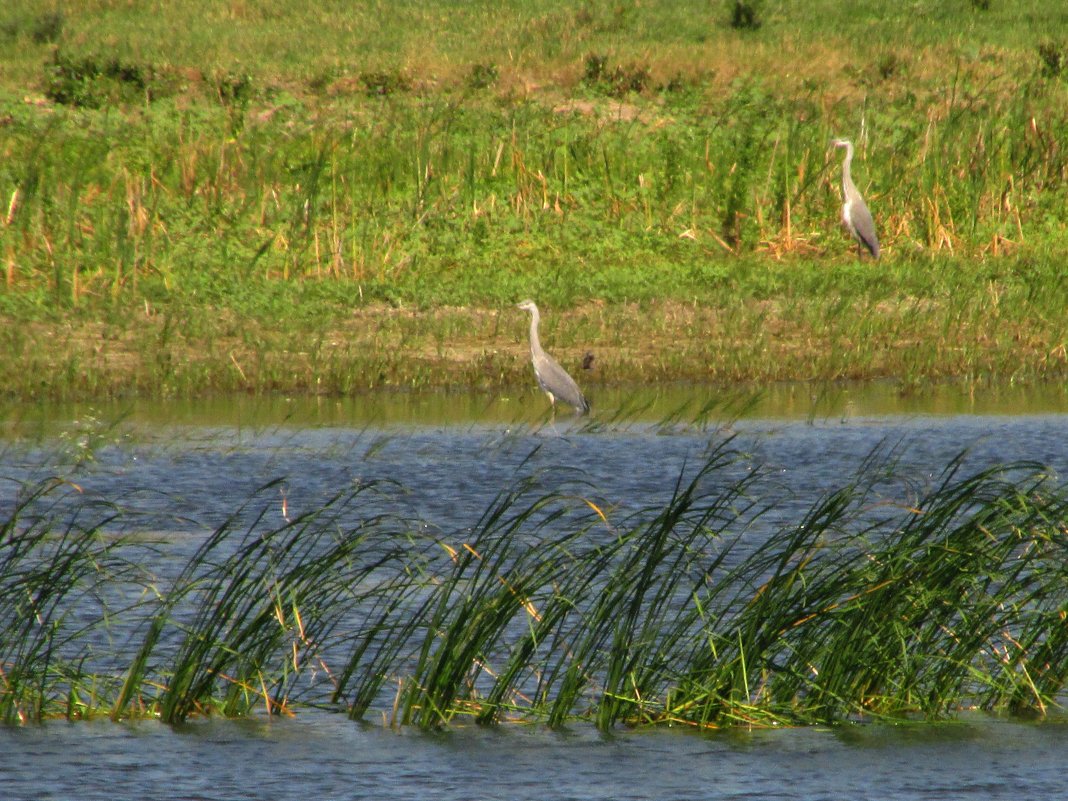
x=551 y=607
x=336 y=199
x=848 y=322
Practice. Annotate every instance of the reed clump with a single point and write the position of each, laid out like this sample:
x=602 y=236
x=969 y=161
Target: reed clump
x=712 y=609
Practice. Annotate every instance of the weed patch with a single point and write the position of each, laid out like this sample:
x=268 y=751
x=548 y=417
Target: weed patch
x=93 y=82
x=745 y=14
x=1053 y=58
x=615 y=81
x=483 y=76
x=384 y=84
x=42 y=27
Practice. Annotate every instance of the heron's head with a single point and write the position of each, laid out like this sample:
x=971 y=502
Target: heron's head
x=527 y=305
x=840 y=142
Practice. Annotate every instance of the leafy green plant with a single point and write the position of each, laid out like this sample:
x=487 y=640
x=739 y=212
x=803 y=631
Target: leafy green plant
x=47 y=27
x=1053 y=56
x=234 y=88
x=745 y=14
x=618 y=81
x=92 y=82
x=482 y=75
x=43 y=27
x=384 y=84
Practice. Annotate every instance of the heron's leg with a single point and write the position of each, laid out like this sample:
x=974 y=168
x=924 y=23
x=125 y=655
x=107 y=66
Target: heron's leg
x=552 y=413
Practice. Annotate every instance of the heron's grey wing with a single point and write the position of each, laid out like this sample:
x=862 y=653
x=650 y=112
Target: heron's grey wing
x=864 y=226
x=554 y=379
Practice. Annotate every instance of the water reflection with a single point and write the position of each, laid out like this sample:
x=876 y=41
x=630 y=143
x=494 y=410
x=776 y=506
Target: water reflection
x=617 y=406
x=185 y=466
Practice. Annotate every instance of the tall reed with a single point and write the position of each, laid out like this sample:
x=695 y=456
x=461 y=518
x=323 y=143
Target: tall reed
x=58 y=576
x=719 y=606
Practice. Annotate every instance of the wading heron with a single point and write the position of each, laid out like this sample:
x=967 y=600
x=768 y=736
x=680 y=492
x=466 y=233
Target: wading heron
x=552 y=378
x=855 y=215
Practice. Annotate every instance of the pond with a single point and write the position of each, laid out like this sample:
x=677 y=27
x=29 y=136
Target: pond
x=319 y=756
x=183 y=468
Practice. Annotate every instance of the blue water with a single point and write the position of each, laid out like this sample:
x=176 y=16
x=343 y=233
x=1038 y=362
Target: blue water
x=320 y=756
x=192 y=478
x=175 y=481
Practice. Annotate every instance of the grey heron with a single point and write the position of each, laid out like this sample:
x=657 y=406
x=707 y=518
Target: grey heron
x=552 y=378
x=855 y=215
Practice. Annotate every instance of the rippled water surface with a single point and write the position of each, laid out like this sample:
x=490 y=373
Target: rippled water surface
x=184 y=468
x=319 y=756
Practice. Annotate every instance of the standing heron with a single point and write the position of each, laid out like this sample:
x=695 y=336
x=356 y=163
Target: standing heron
x=855 y=215
x=552 y=378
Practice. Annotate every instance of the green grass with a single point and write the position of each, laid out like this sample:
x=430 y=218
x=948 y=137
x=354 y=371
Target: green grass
x=978 y=325
x=275 y=167
x=554 y=607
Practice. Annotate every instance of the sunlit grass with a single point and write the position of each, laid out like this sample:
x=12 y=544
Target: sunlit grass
x=200 y=206
x=819 y=323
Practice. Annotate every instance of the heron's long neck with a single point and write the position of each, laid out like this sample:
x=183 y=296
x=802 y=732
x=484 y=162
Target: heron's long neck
x=535 y=343
x=847 y=180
